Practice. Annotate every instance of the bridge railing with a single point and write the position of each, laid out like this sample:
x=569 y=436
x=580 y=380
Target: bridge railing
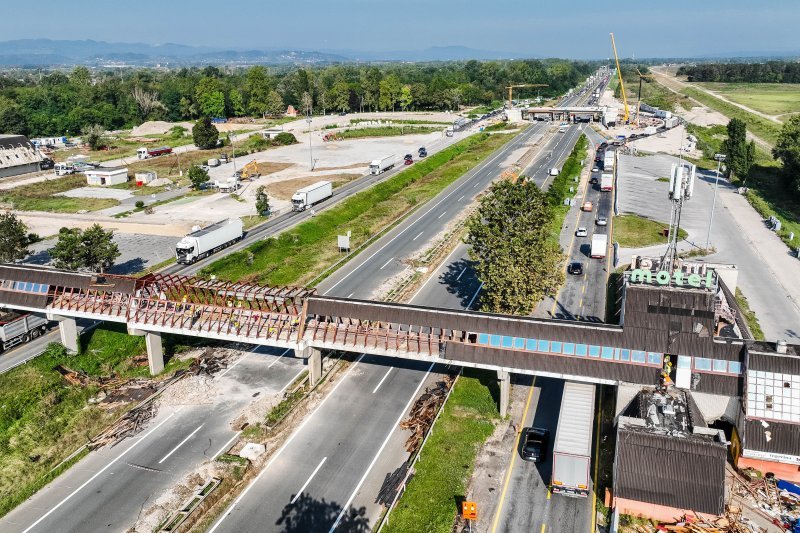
x=92 y=301
x=365 y=335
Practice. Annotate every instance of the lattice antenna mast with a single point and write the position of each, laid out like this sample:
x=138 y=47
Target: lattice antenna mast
x=681 y=188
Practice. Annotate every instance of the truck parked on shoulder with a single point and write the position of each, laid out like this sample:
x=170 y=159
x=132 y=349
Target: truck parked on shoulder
x=146 y=153
x=313 y=194
x=379 y=166
x=572 y=451
x=202 y=242
x=606 y=182
x=63 y=169
x=599 y=246
x=16 y=328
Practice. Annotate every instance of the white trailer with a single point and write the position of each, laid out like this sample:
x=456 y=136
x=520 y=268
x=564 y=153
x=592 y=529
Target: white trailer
x=308 y=196
x=379 y=166
x=608 y=161
x=572 y=451
x=606 y=182
x=599 y=246
x=16 y=328
x=202 y=242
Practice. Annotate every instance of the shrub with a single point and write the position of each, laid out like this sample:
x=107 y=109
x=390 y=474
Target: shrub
x=285 y=139
x=140 y=204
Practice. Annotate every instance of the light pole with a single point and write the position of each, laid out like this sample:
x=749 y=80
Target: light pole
x=720 y=158
x=310 y=150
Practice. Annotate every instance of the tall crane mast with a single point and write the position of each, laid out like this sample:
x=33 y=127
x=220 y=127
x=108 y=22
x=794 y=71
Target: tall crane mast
x=512 y=87
x=621 y=83
x=639 y=99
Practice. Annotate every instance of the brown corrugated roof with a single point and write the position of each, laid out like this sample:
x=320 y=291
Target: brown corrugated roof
x=784 y=438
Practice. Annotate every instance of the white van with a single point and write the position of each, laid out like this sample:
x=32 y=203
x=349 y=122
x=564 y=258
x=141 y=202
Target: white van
x=554 y=171
x=62 y=169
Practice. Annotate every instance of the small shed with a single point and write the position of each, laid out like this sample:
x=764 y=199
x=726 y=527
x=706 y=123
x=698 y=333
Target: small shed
x=104 y=176
x=271 y=133
x=144 y=178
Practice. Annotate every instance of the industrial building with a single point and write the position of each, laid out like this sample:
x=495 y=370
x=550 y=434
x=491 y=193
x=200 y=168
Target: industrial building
x=18 y=156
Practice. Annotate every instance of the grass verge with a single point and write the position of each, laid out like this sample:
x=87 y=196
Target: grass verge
x=296 y=256
x=763 y=128
x=448 y=457
x=40 y=196
x=749 y=315
x=385 y=131
x=768 y=98
x=633 y=231
x=400 y=121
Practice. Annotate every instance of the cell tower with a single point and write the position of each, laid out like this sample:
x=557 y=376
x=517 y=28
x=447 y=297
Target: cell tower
x=681 y=188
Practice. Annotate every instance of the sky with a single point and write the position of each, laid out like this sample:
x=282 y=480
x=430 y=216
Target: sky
x=558 y=28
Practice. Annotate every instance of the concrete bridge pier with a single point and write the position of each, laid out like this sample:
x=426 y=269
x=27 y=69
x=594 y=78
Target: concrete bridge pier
x=155 y=349
x=69 y=332
x=313 y=359
x=504 y=379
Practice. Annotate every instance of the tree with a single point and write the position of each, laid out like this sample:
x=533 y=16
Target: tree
x=787 y=149
x=262 y=200
x=210 y=98
x=98 y=249
x=740 y=153
x=516 y=261
x=205 y=134
x=257 y=88
x=146 y=101
x=339 y=95
x=274 y=106
x=93 y=136
x=307 y=104
x=406 y=99
x=197 y=176
x=66 y=254
x=187 y=108
x=237 y=103
x=13 y=238
x=390 y=92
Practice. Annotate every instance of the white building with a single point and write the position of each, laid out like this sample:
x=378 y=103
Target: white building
x=104 y=176
x=17 y=156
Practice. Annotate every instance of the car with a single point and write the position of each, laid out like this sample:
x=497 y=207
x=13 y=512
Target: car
x=587 y=206
x=342 y=113
x=237 y=174
x=601 y=221
x=408 y=156
x=423 y=153
x=581 y=232
x=595 y=169
x=534 y=444
x=408 y=160
x=576 y=268
x=422 y=149
x=205 y=167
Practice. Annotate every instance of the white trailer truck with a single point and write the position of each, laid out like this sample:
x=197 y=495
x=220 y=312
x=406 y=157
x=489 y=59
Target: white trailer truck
x=202 y=242
x=606 y=182
x=379 y=166
x=16 y=328
x=599 y=246
x=572 y=450
x=308 y=196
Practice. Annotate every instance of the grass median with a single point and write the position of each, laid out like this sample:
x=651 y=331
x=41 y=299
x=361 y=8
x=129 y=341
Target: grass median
x=448 y=458
x=633 y=231
x=385 y=131
x=296 y=256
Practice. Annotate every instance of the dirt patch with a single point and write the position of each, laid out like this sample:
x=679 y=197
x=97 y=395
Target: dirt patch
x=283 y=190
x=193 y=390
x=158 y=127
x=703 y=116
x=354 y=165
x=270 y=167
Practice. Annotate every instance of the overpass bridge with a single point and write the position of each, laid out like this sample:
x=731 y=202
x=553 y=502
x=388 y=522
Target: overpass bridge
x=662 y=327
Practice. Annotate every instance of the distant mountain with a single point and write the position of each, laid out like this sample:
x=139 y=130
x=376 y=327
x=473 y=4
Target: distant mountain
x=434 y=53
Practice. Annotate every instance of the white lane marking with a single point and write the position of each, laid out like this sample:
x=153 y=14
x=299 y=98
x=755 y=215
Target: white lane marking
x=475 y=185
x=350 y=295
x=386 y=263
x=279 y=357
x=184 y=441
x=226 y=445
x=446 y=260
x=285 y=445
x=418 y=236
x=475 y=296
x=120 y=456
x=440 y=216
x=461 y=274
x=378 y=386
x=461 y=197
x=346 y=506
x=314 y=473
x=242 y=358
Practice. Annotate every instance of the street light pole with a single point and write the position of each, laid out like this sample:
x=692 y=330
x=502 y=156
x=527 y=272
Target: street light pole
x=310 y=150
x=720 y=158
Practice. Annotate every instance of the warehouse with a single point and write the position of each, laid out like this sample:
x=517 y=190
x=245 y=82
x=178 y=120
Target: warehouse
x=17 y=156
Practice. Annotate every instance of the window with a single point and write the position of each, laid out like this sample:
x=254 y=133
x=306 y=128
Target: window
x=702 y=363
x=495 y=340
x=508 y=342
x=734 y=367
x=483 y=338
x=720 y=365
x=607 y=353
x=569 y=348
x=684 y=361
x=654 y=358
x=580 y=350
x=544 y=346
x=624 y=355
x=637 y=356
x=519 y=343
x=530 y=345
x=555 y=347
x=594 y=351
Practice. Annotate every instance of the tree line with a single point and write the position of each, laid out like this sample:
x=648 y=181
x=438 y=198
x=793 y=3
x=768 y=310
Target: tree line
x=59 y=103
x=767 y=72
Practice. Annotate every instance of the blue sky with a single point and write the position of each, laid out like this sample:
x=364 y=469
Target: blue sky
x=644 y=28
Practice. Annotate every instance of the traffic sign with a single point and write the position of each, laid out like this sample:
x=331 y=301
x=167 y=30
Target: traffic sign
x=469 y=510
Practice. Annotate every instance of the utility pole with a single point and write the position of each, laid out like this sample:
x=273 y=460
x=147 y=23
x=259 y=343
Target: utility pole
x=310 y=149
x=720 y=158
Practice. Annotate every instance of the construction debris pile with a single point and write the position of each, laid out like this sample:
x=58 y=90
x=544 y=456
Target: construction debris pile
x=731 y=522
x=392 y=484
x=424 y=411
x=779 y=501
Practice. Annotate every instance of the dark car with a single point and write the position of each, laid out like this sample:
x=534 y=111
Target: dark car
x=534 y=444
x=408 y=159
x=408 y=156
x=593 y=180
x=47 y=164
x=423 y=152
x=575 y=268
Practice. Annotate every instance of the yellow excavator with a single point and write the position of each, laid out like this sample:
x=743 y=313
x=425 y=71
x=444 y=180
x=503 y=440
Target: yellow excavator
x=250 y=171
x=627 y=115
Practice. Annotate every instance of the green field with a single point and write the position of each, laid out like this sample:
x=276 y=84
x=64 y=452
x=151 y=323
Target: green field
x=632 y=231
x=769 y=98
x=41 y=196
x=385 y=131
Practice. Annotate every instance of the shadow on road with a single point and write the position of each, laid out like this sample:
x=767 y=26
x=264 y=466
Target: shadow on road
x=455 y=284
x=131 y=266
x=309 y=514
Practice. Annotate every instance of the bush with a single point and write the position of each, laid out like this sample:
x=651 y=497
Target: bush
x=284 y=139
x=205 y=135
x=140 y=204
x=176 y=132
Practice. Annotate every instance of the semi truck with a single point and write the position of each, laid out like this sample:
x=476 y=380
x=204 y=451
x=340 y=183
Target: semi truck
x=572 y=450
x=608 y=161
x=146 y=153
x=308 y=196
x=379 y=166
x=202 y=242
x=606 y=182
x=599 y=246
x=16 y=328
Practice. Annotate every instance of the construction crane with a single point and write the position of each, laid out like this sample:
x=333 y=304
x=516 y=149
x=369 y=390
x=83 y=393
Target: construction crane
x=621 y=84
x=639 y=98
x=512 y=87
